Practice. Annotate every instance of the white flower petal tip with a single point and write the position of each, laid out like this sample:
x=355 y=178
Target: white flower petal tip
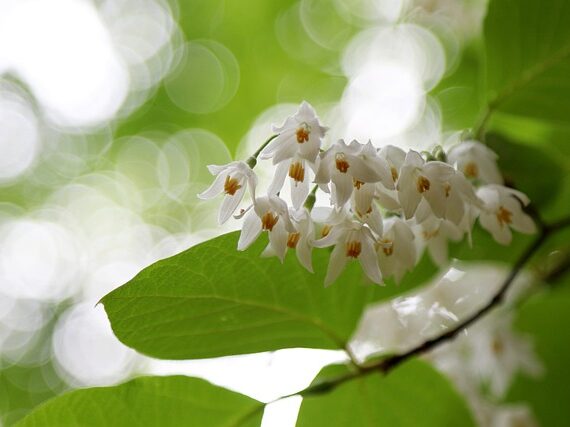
x=502 y=211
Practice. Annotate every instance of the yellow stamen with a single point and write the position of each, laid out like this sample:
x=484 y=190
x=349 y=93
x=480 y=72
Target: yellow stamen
x=422 y=184
x=326 y=230
x=471 y=170
x=497 y=346
x=297 y=171
x=341 y=163
x=268 y=221
x=293 y=239
x=357 y=183
x=394 y=172
x=302 y=134
x=387 y=246
x=447 y=188
x=504 y=216
x=353 y=249
x=430 y=234
x=231 y=185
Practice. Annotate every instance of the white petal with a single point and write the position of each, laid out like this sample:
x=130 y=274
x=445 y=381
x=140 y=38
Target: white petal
x=287 y=151
x=304 y=254
x=276 y=144
x=409 y=199
x=250 y=231
x=299 y=191
x=213 y=190
x=413 y=158
x=437 y=247
x=337 y=263
x=436 y=199
x=523 y=223
x=230 y=204
x=309 y=150
x=369 y=261
x=279 y=178
x=278 y=240
x=342 y=189
x=423 y=212
x=455 y=208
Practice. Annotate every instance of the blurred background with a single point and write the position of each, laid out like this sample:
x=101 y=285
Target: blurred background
x=111 y=109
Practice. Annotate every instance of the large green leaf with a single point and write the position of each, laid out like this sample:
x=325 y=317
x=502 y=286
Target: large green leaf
x=545 y=318
x=527 y=44
x=150 y=401
x=413 y=395
x=213 y=300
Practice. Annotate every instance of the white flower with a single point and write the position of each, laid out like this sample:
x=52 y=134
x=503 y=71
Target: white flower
x=502 y=211
x=497 y=354
x=352 y=240
x=348 y=167
x=435 y=233
x=232 y=180
x=395 y=158
x=300 y=176
x=301 y=239
x=396 y=248
x=476 y=161
x=459 y=198
x=419 y=179
x=513 y=416
x=387 y=195
x=300 y=136
x=269 y=213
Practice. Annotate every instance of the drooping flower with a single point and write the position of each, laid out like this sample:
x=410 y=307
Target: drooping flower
x=459 y=198
x=348 y=168
x=396 y=250
x=423 y=180
x=232 y=180
x=497 y=353
x=352 y=240
x=300 y=136
x=395 y=158
x=502 y=211
x=271 y=214
x=300 y=177
x=435 y=233
x=476 y=161
x=300 y=240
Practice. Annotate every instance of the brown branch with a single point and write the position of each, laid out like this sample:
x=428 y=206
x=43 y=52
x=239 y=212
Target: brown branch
x=387 y=364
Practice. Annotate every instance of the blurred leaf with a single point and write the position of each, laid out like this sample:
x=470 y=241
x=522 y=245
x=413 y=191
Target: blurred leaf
x=414 y=395
x=486 y=248
x=530 y=169
x=546 y=318
x=24 y=387
x=267 y=73
x=459 y=94
x=213 y=300
x=527 y=44
x=150 y=401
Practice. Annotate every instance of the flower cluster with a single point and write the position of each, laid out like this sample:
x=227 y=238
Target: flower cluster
x=385 y=204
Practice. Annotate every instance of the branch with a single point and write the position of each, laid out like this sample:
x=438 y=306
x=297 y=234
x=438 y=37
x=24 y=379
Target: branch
x=387 y=364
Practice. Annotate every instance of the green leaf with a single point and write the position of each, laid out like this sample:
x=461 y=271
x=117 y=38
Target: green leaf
x=459 y=94
x=150 y=401
x=530 y=169
x=527 y=44
x=413 y=395
x=213 y=300
x=545 y=318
